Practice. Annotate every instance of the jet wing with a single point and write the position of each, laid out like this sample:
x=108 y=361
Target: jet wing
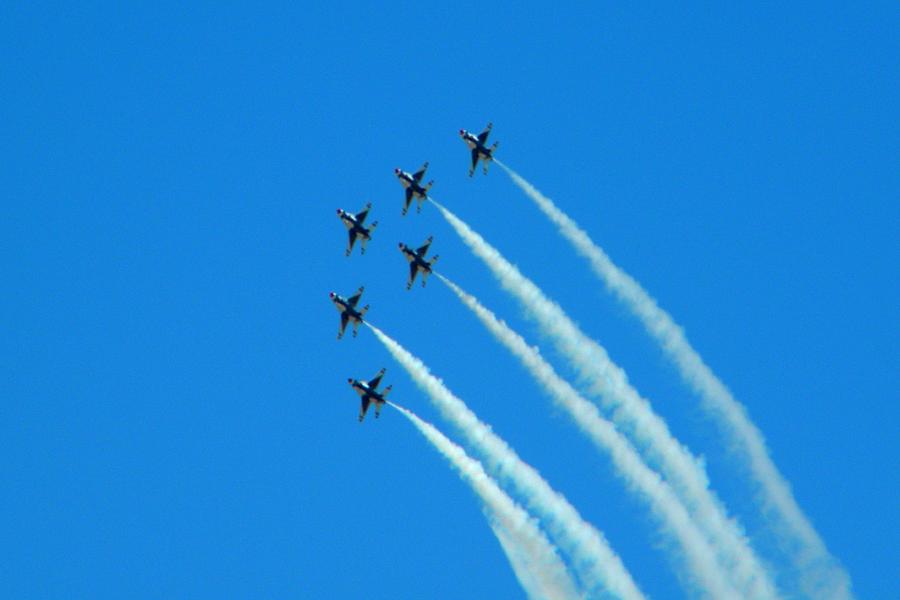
x=413 y=271
x=352 y=233
x=354 y=299
x=483 y=136
x=409 y=195
x=474 y=158
x=423 y=249
x=418 y=175
x=376 y=381
x=344 y=319
x=361 y=215
x=364 y=406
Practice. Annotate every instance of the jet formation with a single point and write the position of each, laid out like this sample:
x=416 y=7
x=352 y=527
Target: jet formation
x=418 y=263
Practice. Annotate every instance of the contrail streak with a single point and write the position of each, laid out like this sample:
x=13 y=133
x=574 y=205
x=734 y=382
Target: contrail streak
x=519 y=561
x=598 y=567
x=821 y=575
x=534 y=559
x=666 y=506
x=628 y=409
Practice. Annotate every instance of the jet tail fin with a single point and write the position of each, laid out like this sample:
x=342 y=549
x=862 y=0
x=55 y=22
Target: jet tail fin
x=427 y=272
x=490 y=158
x=380 y=403
x=356 y=322
x=365 y=238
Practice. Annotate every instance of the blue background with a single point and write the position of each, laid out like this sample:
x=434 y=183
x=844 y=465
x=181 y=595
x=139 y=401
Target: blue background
x=175 y=415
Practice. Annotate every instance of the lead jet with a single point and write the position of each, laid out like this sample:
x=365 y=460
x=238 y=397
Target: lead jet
x=479 y=150
x=417 y=261
x=355 y=228
x=412 y=182
x=368 y=393
x=347 y=308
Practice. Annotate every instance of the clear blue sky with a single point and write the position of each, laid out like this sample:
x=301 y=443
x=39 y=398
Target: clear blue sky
x=176 y=420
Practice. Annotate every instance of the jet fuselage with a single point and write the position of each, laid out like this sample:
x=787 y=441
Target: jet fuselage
x=352 y=224
x=344 y=307
x=472 y=142
x=364 y=390
x=368 y=393
x=415 y=258
x=408 y=181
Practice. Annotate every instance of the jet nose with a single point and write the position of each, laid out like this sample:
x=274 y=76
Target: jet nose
x=350 y=380
x=397 y=171
x=400 y=245
x=462 y=132
x=331 y=295
x=340 y=212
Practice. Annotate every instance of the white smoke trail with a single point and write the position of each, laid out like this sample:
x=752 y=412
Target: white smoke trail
x=518 y=560
x=821 y=575
x=533 y=558
x=598 y=567
x=628 y=409
x=667 y=508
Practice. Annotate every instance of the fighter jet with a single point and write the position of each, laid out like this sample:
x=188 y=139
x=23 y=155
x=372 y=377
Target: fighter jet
x=368 y=392
x=355 y=228
x=412 y=182
x=417 y=261
x=479 y=150
x=347 y=308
